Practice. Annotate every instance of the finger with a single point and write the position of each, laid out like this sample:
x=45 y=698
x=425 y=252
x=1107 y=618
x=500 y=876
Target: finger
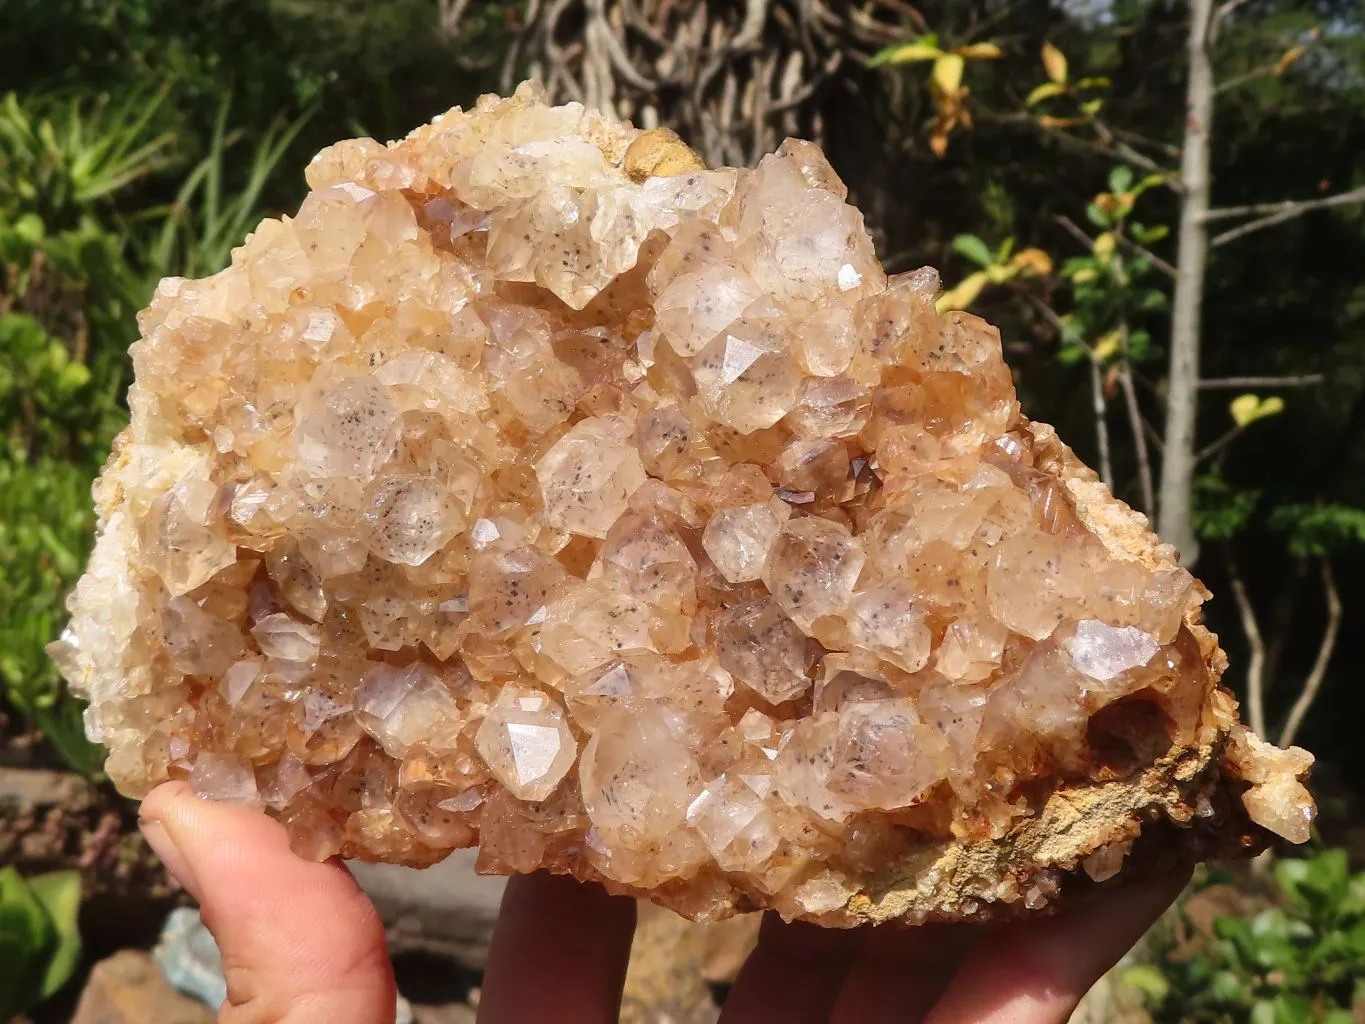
x=793 y=975
x=1035 y=972
x=301 y=943
x=559 y=953
x=900 y=972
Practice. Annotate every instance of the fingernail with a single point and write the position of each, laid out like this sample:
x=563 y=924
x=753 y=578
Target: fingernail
x=160 y=841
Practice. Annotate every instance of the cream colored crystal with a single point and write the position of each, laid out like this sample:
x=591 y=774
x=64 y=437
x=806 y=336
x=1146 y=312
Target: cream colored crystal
x=535 y=487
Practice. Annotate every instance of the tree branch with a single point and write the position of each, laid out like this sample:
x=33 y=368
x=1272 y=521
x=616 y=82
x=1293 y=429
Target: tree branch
x=1255 y=646
x=1313 y=683
x=1282 y=617
x=1127 y=152
x=1287 y=210
x=1101 y=424
x=1078 y=233
x=1136 y=425
x=1216 y=446
x=1301 y=381
x=1166 y=268
x=1219 y=13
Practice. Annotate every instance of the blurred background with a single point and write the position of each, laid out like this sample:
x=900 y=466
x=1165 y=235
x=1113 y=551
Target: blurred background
x=1161 y=203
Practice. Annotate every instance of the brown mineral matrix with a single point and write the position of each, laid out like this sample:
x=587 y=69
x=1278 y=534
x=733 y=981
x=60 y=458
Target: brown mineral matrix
x=538 y=489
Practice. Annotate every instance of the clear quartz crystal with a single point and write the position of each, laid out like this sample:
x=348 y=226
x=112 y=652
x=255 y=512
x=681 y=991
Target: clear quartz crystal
x=623 y=523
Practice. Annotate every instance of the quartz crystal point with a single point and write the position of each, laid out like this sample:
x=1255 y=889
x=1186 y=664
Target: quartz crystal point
x=535 y=488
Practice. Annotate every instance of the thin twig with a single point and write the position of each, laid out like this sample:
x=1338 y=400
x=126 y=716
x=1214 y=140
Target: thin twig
x=1287 y=210
x=751 y=31
x=1300 y=381
x=1080 y=235
x=1166 y=268
x=1216 y=446
x=1239 y=80
x=1127 y=152
x=1282 y=617
x=1313 y=683
x=1135 y=425
x=1101 y=424
x=1220 y=12
x=1075 y=230
x=1255 y=646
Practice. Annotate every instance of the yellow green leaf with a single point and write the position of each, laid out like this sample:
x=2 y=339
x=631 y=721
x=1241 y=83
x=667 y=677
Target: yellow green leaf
x=999 y=273
x=1105 y=346
x=1032 y=261
x=906 y=53
x=1104 y=247
x=947 y=73
x=1085 y=274
x=1091 y=107
x=979 y=51
x=1054 y=63
x=1247 y=409
x=1290 y=57
x=1043 y=92
x=964 y=294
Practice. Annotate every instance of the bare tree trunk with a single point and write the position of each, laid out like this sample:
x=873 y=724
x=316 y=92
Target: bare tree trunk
x=1313 y=683
x=1178 y=461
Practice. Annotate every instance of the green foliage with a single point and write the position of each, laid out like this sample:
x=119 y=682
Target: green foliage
x=63 y=160
x=1221 y=511
x=40 y=944
x=209 y=216
x=1112 y=297
x=1320 y=529
x=80 y=248
x=1300 y=962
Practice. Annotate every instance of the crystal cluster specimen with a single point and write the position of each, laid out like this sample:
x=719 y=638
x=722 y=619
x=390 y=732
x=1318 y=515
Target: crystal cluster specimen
x=535 y=487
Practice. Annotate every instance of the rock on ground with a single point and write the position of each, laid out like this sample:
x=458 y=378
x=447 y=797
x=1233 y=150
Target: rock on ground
x=128 y=988
x=444 y=910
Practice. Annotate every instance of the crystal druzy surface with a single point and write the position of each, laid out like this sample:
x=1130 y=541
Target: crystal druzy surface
x=534 y=487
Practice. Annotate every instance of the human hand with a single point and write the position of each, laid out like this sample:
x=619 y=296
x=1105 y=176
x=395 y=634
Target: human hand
x=303 y=945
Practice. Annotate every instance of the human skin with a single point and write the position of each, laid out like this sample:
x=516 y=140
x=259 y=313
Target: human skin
x=303 y=945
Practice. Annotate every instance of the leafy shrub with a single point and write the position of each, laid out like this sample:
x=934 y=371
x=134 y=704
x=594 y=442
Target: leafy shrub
x=1302 y=962
x=40 y=944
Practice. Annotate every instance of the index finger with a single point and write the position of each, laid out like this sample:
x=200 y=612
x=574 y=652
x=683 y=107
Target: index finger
x=559 y=953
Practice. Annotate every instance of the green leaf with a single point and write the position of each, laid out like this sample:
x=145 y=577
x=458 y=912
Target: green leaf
x=1120 y=178
x=905 y=53
x=29 y=227
x=1292 y=1009
x=1045 y=91
x=1148 y=235
x=1096 y=215
x=1148 y=981
x=60 y=894
x=974 y=249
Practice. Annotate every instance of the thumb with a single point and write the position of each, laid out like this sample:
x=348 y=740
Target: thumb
x=301 y=943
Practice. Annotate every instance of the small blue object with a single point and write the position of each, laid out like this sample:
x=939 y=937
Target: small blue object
x=191 y=963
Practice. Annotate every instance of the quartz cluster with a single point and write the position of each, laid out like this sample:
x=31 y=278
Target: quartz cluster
x=537 y=488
